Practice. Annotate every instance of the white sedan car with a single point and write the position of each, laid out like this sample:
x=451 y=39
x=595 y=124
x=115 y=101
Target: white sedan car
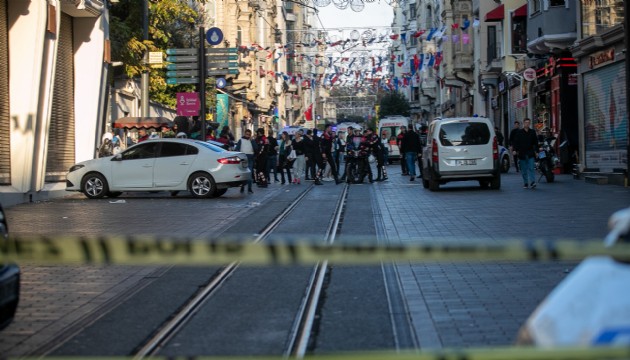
x=203 y=169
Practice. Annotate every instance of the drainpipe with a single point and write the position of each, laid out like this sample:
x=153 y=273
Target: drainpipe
x=626 y=27
x=145 y=72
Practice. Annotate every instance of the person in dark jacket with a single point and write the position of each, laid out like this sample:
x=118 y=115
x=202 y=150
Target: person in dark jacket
x=411 y=145
x=313 y=155
x=403 y=162
x=525 y=144
x=326 y=148
x=260 y=158
x=515 y=129
x=272 y=158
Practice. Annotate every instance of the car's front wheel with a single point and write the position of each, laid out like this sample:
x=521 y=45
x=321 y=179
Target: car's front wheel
x=201 y=185
x=94 y=186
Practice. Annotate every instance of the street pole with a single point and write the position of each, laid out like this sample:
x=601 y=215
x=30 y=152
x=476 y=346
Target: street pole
x=202 y=81
x=626 y=55
x=144 y=101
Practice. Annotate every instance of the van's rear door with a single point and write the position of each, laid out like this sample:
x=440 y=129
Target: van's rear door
x=465 y=145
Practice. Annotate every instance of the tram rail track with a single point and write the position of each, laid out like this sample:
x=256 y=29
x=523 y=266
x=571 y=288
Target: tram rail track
x=303 y=323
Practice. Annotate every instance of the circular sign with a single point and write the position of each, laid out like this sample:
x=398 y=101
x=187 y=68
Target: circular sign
x=214 y=36
x=221 y=83
x=529 y=74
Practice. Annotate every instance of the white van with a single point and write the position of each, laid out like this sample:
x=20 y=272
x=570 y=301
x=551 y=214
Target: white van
x=390 y=126
x=459 y=149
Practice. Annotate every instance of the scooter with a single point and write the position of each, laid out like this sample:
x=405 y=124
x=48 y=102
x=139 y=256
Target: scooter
x=547 y=159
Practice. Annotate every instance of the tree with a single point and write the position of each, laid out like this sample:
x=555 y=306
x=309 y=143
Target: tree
x=172 y=24
x=393 y=103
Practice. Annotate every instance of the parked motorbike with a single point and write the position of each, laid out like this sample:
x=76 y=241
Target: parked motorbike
x=547 y=159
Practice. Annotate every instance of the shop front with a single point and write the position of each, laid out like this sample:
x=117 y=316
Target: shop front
x=604 y=118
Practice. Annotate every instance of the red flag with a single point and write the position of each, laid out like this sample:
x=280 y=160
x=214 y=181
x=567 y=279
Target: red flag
x=308 y=114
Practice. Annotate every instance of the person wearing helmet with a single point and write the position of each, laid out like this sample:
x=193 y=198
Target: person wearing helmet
x=181 y=135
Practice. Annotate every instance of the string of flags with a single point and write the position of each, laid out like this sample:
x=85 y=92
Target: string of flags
x=359 y=70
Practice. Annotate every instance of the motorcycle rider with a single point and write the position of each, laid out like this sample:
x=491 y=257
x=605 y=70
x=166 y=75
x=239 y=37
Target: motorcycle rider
x=376 y=149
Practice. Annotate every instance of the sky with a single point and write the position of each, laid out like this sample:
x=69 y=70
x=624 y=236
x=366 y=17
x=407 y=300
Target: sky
x=376 y=13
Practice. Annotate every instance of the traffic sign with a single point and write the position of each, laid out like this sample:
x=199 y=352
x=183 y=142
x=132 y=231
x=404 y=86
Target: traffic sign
x=222 y=65
x=214 y=36
x=221 y=83
x=221 y=51
x=221 y=71
x=189 y=51
x=182 y=58
x=185 y=80
x=182 y=73
x=221 y=57
x=183 y=66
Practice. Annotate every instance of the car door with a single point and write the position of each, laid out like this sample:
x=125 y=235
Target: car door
x=134 y=168
x=173 y=164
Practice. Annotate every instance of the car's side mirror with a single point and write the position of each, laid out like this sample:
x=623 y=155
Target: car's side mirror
x=117 y=157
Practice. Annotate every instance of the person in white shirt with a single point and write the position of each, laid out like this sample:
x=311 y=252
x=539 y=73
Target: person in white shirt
x=247 y=146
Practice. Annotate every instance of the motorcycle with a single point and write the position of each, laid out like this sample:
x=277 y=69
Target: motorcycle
x=547 y=159
x=356 y=163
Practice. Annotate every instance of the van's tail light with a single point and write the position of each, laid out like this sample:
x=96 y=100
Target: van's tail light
x=232 y=160
x=495 y=149
x=434 y=152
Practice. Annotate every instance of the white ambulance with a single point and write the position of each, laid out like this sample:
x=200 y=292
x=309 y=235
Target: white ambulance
x=390 y=126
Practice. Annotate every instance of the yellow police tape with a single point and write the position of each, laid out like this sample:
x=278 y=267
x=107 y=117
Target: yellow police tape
x=175 y=251
x=499 y=353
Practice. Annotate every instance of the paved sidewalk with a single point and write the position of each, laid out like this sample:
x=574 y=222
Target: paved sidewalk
x=471 y=304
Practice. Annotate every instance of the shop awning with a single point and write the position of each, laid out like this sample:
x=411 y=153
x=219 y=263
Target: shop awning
x=520 y=12
x=137 y=122
x=495 y=14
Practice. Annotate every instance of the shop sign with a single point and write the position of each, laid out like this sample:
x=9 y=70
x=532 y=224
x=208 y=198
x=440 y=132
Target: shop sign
x=522 y=103
x=529 y=74
x=601 y=57
x=572 y=80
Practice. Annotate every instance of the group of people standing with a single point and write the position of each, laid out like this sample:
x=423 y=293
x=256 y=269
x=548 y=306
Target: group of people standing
x=410 y=144
x=308 y=156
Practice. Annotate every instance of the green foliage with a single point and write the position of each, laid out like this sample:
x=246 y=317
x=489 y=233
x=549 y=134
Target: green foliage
x=172 y=24
x=394 y=103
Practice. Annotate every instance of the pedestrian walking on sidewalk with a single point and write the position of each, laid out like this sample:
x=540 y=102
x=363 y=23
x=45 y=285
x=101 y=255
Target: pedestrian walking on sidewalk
x=525 y=144
x=515 y=129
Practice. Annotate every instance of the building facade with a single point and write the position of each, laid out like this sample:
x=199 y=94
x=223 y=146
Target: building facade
x=54 y=60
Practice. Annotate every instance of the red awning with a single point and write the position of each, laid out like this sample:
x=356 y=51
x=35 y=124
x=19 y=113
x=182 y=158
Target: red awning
x=520 y=12
x=142 y=122
x=495 y=14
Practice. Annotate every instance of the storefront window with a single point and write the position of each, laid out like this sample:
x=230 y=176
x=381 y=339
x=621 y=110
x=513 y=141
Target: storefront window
x=599 y=15
x=519 y=35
